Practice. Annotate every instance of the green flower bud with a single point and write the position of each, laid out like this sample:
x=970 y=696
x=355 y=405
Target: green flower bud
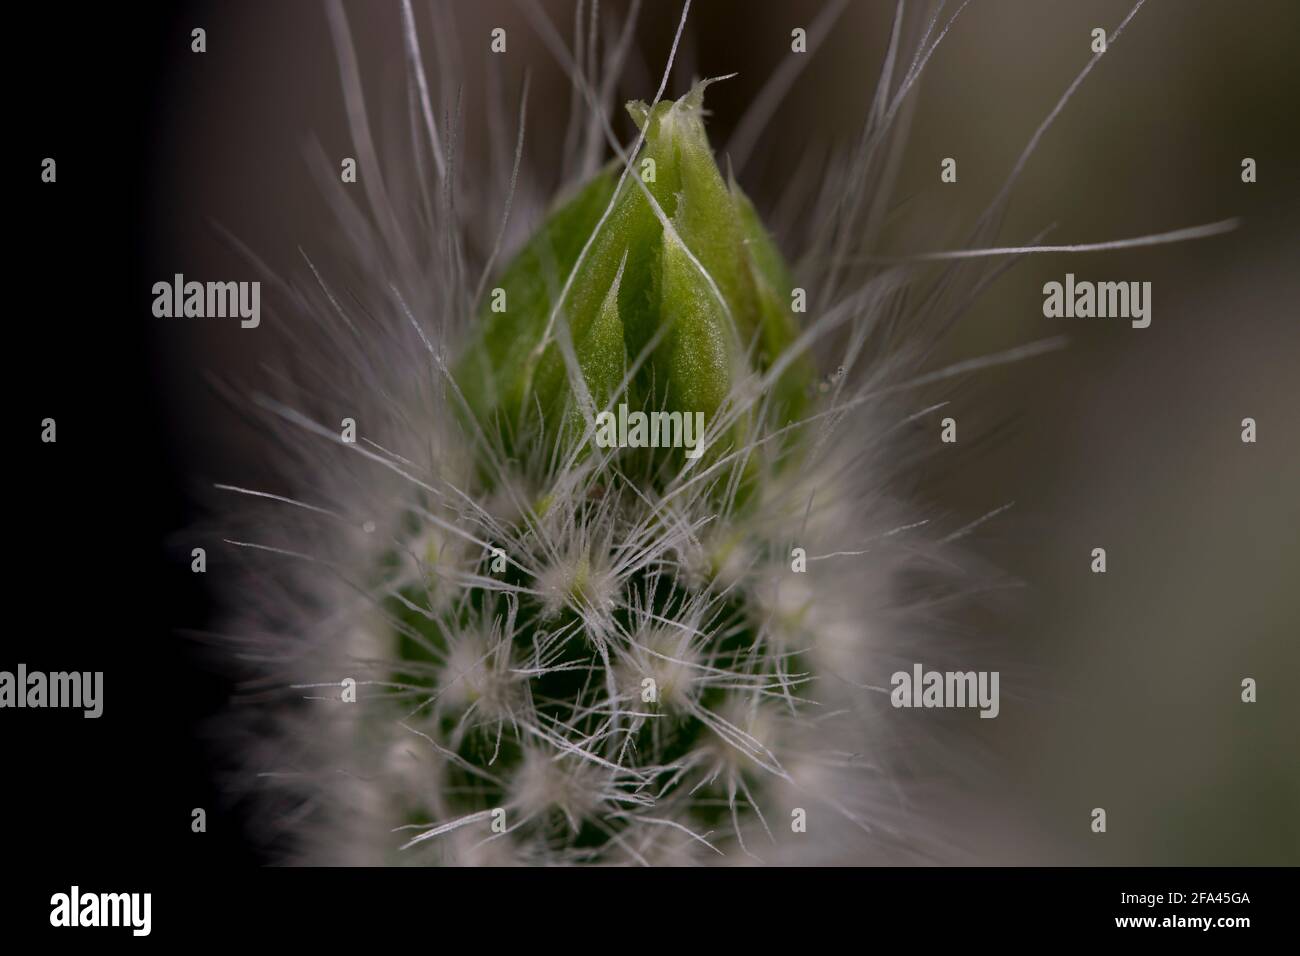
x=709 y=293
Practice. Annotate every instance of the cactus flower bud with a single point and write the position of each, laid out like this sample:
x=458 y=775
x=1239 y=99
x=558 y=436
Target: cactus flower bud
x=673 y=259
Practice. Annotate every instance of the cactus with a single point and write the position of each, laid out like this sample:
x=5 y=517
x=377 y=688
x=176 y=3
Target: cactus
x=535 y=646
x=514 y=623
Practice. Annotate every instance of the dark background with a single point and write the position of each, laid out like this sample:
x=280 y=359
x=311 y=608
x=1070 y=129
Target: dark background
x=98 y=579
x=1129 y=436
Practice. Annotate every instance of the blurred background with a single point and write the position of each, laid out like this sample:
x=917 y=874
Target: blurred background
x=1128 y=688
